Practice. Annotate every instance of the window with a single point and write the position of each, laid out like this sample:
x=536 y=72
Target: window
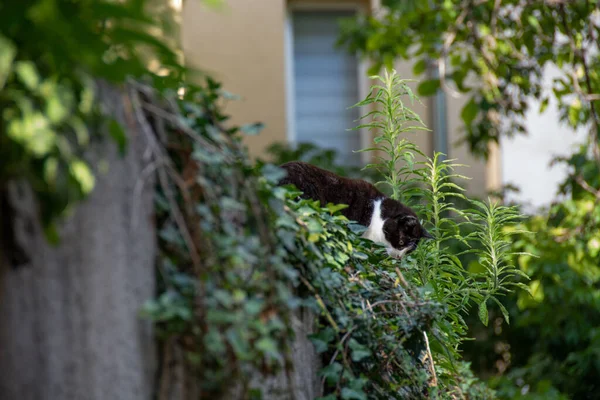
x=324 y=84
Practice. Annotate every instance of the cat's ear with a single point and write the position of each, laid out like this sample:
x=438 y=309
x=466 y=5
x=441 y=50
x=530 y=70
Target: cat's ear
x=426 y=235
x=407 y=220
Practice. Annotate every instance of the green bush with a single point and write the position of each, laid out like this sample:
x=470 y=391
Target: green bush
x=553 y=343
x=238 y=256
x=263 y=254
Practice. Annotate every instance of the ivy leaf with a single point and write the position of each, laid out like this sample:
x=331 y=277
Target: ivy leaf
x=352 y=394
x=314 y=226
x=268 y=346
x=359 y=351
x=357 y=229
x=333 y=208
x=118 y=134
x=272 y=173
x=252 y=129
x=82 y=173
x=331 y=372
x=322 y=339
x=51 y=234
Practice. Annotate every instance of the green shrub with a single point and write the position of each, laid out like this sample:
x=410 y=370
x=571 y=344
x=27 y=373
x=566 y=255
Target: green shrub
x=53 y=56
x=263 y=254
x=553 y=344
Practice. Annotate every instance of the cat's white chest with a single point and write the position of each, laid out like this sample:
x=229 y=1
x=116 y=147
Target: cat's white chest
x=376 y=234
x=374 y=231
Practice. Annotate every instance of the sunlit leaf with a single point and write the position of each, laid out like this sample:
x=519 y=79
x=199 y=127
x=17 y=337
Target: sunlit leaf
x=7 y=55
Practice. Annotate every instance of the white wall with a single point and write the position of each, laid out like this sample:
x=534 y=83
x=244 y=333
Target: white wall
x=526 y=159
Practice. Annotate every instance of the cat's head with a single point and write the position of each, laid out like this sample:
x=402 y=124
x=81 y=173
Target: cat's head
x=403 y=232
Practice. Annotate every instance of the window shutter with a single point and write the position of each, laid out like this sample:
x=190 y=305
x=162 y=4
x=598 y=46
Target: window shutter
x=325 y=85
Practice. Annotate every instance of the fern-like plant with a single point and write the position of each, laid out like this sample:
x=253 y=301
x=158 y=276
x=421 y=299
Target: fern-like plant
x=390 y=120
x=431 y=186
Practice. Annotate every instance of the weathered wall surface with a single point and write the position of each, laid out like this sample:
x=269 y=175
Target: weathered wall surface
x=69 y=324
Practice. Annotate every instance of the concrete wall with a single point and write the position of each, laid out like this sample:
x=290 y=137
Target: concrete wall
x=526 y=159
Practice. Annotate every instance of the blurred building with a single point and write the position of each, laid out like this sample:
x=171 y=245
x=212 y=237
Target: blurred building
x=280 y=57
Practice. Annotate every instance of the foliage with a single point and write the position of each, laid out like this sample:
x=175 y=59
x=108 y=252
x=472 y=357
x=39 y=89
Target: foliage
x=391 y=119
x=497 y=52
x=52 y=54
x=239 y=256
x=227 y=285
x=553 y=344
x=429 y=186
x=262 y=255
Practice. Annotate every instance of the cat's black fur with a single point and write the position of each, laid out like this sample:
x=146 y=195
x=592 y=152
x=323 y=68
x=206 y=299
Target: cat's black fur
x=401 y=227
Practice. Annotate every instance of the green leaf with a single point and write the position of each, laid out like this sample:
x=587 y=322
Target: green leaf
x=483 y=312
x=353 y=394
x=503 y=310
x=428 y=87
x=81 y=172
x=268 y=346
x=252 y=129
x=420 y=67
x=322 y=339
x=272 y=173
x=332 y=372
x=7 y=55
x=118 y=134
x=314 y=226
x=533 y=21
x=51 y=234
x=333 y=208
x=544 y=104
x=81 y=130
x=574 y=111
x=469 y=112
x=359 y=351
x=27 y=73
x=56 y=109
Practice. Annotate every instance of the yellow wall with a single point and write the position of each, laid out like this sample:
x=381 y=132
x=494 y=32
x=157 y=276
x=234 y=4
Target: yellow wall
x=242 y=45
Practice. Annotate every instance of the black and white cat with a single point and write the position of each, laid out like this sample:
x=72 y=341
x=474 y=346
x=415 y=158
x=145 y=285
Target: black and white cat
x=388 y=221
